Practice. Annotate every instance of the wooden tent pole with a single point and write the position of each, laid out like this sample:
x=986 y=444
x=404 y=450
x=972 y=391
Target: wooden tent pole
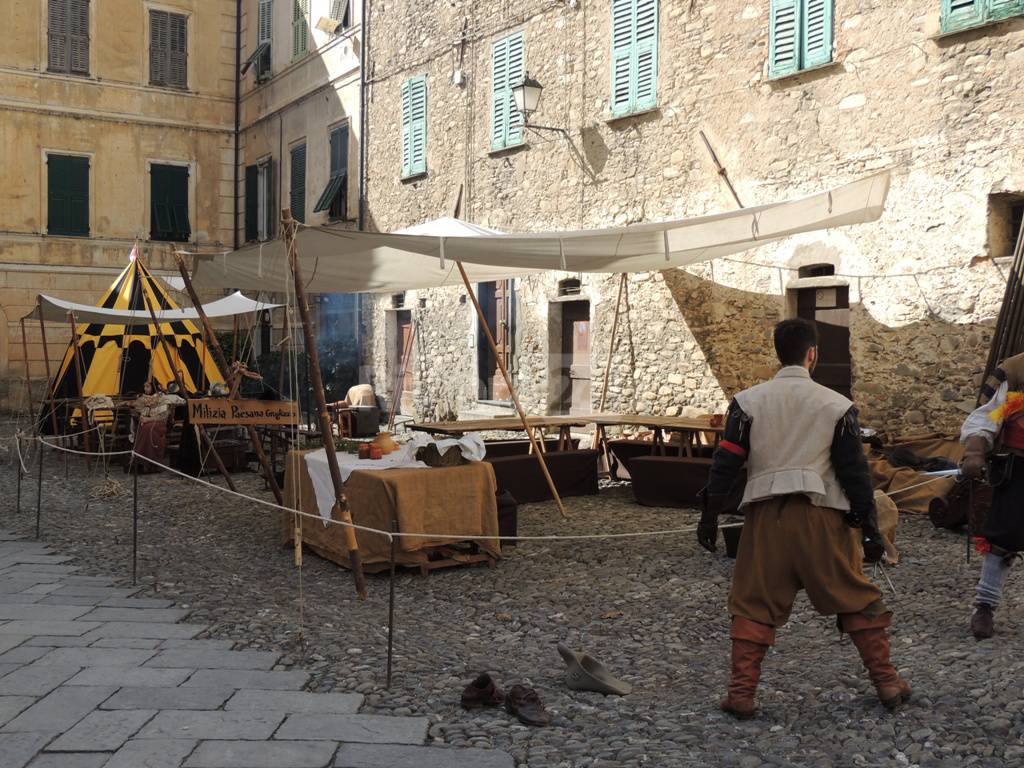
x=254 y=438
x=721 y=169
x=78 y=377
x=508 y=382
x=28 y=374
x=611 y=344
x=341 y=504
x=51 y=385
x=400 y=377
x=217 y=460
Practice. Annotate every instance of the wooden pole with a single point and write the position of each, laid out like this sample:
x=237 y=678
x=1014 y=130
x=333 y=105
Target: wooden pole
x=51 y=385
x=400 y=377
x=217 y=460
x=78 y=377
x=611 y=344
x=28 y=374
x=721 y=169
x=508 y=382
x=254 y=438
x=341 y=504
x=39 y=491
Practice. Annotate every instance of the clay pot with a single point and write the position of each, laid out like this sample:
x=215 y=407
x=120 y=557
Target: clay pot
x=384 y=442
x=375 y=453
x=364 y=451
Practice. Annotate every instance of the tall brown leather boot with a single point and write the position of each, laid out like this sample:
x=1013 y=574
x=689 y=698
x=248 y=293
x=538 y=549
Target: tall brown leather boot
x=872 y=641
x=750 y=642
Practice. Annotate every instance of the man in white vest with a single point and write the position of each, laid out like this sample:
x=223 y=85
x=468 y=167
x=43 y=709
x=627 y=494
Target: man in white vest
x=809 y=518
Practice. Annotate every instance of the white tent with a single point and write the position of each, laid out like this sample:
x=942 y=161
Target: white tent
x=342 y=261
x=56 y=310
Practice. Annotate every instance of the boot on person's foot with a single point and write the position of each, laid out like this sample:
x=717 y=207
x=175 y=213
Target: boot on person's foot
x=982 y=622
x=746 y=672
x=873 y=646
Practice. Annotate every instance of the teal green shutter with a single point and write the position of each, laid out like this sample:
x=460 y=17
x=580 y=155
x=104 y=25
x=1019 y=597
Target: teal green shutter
x=169 y=203
x=1004 y=9
x=783 y=49
x=300 y=27
x=622 y=56
x=297 y=189
x=817 y=33
x=252 y=196
x=67 y=195
x=414 y=126
x=961 y=14
x=646 y=62
x=507 y=69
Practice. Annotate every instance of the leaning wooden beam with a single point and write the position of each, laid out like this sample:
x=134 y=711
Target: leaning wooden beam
x=508 y=383
x=51 y=384
x=28 y=374
x=211 y=341
x=341 y=503
x=599 y=433
x=396 y=392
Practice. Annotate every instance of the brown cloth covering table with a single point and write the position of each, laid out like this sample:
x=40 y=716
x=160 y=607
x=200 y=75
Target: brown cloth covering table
x=458 y=500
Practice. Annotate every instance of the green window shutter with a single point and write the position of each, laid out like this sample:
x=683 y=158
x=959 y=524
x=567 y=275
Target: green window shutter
x=297 y=189
x=67 y=195
x=645 y=66
x=269 y=208
x=622 y=57
x=169 y=203
x=300 y=27
x=414 y=126
x=78 y=36
x=56 y=195
x=961 y=14
x=158 y=42
x=516 y=72
x=252 y=204
x=78 y=196
x=265 y=21
x=783 y=49
x=499 y=99
x=1004 y=9
x=816 y=39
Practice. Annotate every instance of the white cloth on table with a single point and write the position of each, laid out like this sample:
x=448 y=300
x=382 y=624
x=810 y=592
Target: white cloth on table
x=320 y=473
x=471 y=445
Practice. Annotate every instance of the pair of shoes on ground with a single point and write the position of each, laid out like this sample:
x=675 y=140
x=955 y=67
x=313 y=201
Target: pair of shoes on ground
x=521 y=701
x=983 y=621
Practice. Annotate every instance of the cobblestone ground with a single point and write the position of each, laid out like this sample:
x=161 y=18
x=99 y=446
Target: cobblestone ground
x=652 y=609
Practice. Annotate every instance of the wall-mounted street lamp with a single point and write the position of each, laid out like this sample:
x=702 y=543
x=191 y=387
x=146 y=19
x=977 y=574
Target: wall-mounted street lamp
x=527 y=97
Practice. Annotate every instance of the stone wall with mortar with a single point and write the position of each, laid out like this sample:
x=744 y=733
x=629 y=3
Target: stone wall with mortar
x=925 y=281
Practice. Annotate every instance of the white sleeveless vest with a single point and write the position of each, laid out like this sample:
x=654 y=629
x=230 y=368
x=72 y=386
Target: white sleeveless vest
x=793 y=421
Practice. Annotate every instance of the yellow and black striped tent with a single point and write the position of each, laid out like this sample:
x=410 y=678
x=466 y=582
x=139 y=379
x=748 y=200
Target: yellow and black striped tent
x=119 y=359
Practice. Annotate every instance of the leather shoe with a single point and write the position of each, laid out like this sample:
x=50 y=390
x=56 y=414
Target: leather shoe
x=982 y=622
x=482 y=692
x=526 y=705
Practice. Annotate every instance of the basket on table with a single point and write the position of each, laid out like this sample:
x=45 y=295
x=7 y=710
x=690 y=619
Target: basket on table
x=432 y=456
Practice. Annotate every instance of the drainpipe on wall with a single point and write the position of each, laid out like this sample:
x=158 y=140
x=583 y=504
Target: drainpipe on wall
x=238 y=111
x=364 y=123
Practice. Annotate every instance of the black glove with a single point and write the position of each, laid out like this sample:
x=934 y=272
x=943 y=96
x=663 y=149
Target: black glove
x=874 y=544
x=707 y=528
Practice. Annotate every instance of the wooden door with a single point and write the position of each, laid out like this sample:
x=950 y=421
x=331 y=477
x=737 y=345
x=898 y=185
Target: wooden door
x=829 y=308
x=403 y=346
x=576 y=357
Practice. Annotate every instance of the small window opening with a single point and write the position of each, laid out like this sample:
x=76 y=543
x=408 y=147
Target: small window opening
x=1005 y=216
x=398 y=301
x=817 y=270
x=571 y=286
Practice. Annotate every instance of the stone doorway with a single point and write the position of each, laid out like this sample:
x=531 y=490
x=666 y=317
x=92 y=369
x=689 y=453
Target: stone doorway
x=575 y=353
x=497 y=302
x=829 y=308
x=403 y=334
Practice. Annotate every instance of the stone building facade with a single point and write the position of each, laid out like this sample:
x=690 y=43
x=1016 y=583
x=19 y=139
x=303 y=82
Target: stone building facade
x=901 y=86
x=101 y=103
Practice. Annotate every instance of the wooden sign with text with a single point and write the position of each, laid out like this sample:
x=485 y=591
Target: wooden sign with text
x=218 y=410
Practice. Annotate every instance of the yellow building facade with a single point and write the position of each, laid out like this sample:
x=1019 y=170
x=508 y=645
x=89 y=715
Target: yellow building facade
x=117 y=125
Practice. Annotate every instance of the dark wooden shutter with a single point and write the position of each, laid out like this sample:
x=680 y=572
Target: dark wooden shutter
x=78 y=36
x=272 y=212
x=252 y=192
x=67 y=195
x=158 y=41
x=298 y=183
x=177 y=50
x=57 y=35
x=339 y=169
x=169 y=203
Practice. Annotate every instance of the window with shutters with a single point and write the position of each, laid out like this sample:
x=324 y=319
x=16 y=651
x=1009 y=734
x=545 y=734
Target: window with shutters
x=68 y=36
x=168 y=49
x=414 y=127
x=265 y=32
x=297 y=187
x=964 y=14
x=799 y=36
x=634 y=56
x=334 y=199
x=67 y=195
x=168 y=195
x=300 y=28
x=341 y=10
x=259 y=201
x=507 y=71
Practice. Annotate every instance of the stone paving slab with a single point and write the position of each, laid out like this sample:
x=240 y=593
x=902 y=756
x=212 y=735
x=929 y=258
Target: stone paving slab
x=152 y=753
x=59 y=710
x=23 y=654
x=6 y=669
x=43 y=588
x=47 y=568
x=71 y=760
x=11 y=641
x=35 y=679
x=67 y=641
x=250 y=754
x=42 y=612
x=97 y=657
x=206 y=644
x=137 y=677
x=52 y=599
x=364 y=729
x=101 y=731
x=390 y=756
x=135 y=602
x=21 y=598
x=245 y=678
x=57 y=628
x=104 y=593
x=140 y=643
x=294 y=702
x=18 y=749
x=168 y=698
x=211 y=659
x=186 y=724
x=12 y=706
x=150 y=615
x=145 y=629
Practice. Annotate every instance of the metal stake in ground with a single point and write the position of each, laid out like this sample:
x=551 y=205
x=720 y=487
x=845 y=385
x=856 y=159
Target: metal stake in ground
x=391 y=603
x=135 y=526
x=39 y=490
x=17 y=510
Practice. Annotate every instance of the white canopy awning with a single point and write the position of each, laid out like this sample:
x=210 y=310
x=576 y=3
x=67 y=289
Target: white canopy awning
x=343 y=261
x=56 y=310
